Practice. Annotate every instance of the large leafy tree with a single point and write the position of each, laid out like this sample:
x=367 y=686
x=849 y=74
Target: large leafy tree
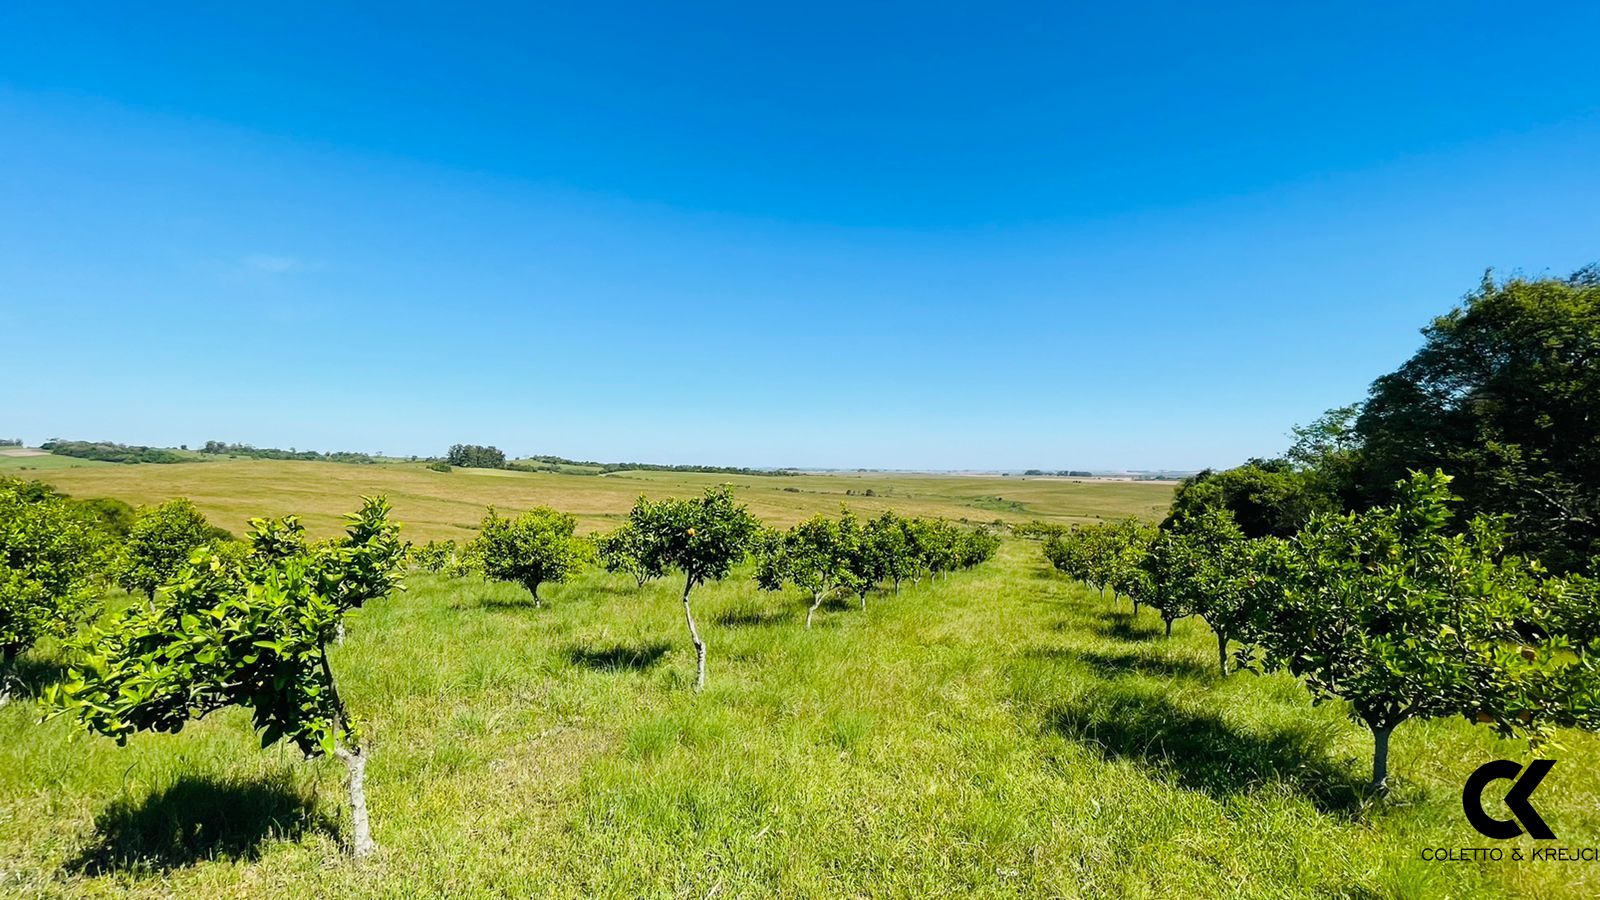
x=51 y=555
x=1265 y=496
x=160 y=542
x=1504 y=395
x=475 y=456
x=536 y=547
x=1406 y=618
x=251 y=632
x=703 y=537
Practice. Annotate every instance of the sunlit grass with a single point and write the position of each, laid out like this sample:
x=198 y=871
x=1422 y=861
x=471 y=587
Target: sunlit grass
x=1001 y=732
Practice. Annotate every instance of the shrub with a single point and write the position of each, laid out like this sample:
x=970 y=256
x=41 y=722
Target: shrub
x=50 y=557
x=536 y=547
x=160 y=542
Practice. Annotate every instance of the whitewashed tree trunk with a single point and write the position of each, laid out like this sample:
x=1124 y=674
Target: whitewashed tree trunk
x=816 y=601
x=694 y=634
x=355 y=764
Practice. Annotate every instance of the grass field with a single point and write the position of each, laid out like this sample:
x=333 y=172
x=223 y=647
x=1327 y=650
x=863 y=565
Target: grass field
x=1000 y=733
x=436 y=505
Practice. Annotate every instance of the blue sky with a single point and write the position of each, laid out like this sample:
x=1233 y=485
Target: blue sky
x=909 y=235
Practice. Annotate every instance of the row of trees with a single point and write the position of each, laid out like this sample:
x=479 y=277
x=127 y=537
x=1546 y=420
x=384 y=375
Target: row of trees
x=226 y=623
x=826 y=557
x=1390 y=609
x=703 y=538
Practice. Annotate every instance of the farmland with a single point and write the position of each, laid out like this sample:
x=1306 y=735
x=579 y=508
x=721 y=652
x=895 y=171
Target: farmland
x=1001 y=732
x=435 y=505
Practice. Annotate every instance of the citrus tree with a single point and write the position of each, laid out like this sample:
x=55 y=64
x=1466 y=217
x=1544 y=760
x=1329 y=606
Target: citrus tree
x=1404 y=618
x=50 y=558
x=434 y=556
x=703 y=537
x=624 y=550
x=886 y=541
x=1122 y=550
x=535 y=547
x=815 y=556
x=250 y=631
x=160 y=542
x=1068 y=552
x=976 y=548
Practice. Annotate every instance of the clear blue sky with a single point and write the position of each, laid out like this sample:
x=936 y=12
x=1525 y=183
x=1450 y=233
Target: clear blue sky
x=902 y=235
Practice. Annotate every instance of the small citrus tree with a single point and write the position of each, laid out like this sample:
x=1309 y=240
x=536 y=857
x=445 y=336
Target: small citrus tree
x=976 y=548
x=704 y=538
x=814 y=555
x=625 y=551
x=536 y=547
x=889 y=548
x=251 y=632
x=434 y=556
x=50 y=558
x=160 y=542
x=1391 y=611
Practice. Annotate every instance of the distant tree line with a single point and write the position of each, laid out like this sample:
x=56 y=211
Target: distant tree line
x=1074 y=473
x=108 y=451
x=218 y=448
x=606 y=468
x=10 y=442
x=474 y=456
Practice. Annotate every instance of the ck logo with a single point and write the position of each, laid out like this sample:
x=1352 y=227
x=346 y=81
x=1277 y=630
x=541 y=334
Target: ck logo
x=1516 y=799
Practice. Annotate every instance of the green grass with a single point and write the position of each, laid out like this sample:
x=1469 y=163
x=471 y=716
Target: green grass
x=1003 y=732
x=999 y=733
x=44 y=464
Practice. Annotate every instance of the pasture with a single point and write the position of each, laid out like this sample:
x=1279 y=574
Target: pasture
x=1002 y=732
x=438 y=505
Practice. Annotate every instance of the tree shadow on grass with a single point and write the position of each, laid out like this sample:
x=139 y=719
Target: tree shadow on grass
x=196 y=819
x=1113 y=664
x=750 y=616
x=28 y=675
x=1124 y=627
x=1202 y=752
x=521 y=604
x=636 y=657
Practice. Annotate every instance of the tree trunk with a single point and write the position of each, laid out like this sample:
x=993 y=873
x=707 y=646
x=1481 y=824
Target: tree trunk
x=1380 y=758
x=897 y=585
x=1136 y=607
x=1222 y=653
x=533 y=588
x=694 y=633
x=816 y=601
x=355 y=764
x=8 y=655
x=863 y=601
x=1169 y=625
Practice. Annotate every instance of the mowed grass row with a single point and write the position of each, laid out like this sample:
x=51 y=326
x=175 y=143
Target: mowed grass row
x=437 y=506
x=999 y=733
